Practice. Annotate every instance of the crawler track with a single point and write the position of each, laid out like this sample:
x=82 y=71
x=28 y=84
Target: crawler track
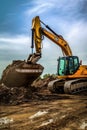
x=73 y=86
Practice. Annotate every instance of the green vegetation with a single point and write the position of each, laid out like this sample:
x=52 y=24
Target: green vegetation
x=49 y=75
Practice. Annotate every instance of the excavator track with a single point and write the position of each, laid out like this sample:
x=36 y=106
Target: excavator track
x=56 y=86
x=74 y=86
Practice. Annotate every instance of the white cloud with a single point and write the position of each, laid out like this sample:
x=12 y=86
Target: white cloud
x=17 y=47
x=18 y=42
x=19 y=39
x=77 y=39
x=39 y=8
x=77 y=34
x=55 y=13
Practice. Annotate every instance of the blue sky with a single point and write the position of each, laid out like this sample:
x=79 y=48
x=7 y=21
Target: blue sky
x=65 y=17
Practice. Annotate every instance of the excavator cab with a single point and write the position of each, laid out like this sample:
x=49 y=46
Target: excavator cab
x=67 y=65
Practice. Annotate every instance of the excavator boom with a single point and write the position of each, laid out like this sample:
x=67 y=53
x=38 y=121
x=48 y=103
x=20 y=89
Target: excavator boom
x=37 y=36
x=39 y=32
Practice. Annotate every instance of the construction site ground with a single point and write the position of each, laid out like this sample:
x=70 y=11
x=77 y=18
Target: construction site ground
x=38 y=109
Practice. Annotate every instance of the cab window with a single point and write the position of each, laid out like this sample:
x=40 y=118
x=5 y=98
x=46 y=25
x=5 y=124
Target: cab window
x=61 y=67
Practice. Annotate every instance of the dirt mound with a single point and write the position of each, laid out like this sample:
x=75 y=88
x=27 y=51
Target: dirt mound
x=14 y=95
x=17 y=95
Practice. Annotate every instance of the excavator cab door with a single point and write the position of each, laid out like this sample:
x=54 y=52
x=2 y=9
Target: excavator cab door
x=67 y=65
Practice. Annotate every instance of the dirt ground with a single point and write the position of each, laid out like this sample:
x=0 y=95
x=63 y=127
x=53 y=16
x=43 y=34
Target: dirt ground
x=38 y=109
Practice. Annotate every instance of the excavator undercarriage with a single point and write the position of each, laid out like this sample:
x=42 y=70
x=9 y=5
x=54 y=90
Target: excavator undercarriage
x=73 y=86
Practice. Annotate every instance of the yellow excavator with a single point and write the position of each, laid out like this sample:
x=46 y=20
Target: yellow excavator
x=72 y=75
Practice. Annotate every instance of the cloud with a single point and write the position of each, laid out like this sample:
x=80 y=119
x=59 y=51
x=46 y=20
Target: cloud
x=77 y=39
x=65 y=9
x=14 y=47
x=39 y=8
x=77 y=33
x=16 y=41
x=21 y=39
x=66 y=18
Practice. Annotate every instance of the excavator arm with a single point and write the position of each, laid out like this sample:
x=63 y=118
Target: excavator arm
x=59 y=41
x=37 y=36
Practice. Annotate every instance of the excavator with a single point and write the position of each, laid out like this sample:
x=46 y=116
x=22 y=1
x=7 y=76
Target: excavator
x=72 y=75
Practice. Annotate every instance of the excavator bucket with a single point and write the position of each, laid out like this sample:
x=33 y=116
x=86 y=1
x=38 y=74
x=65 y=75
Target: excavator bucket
x=21 y=73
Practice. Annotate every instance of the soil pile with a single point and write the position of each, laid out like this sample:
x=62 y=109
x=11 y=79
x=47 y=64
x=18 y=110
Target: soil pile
x=14 y=95
x=17 y=95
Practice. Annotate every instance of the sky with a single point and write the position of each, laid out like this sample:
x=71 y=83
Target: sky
x=66 y=17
